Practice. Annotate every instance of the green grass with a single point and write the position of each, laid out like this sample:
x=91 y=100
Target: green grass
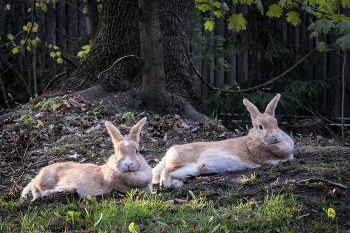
x=156 y=214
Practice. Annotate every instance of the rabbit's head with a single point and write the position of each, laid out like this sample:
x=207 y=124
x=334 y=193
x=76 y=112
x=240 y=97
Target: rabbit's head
x=265 y=128
x=126 y=157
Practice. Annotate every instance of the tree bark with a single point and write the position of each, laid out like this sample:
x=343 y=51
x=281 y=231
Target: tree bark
x=153 y=75
x=119 y=35
x=92 y=17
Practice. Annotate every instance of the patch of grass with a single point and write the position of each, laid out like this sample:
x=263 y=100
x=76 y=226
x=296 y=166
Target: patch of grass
x=196 y=213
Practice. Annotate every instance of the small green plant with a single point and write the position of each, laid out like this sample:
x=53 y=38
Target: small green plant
x=72 y=215
x=126 y=115
x=134 y=228
x=47 y=103
x=9 y=206
x=13 y=100
x=155 y=116
x=91 y=201
x=239 y=132
x=26 y=116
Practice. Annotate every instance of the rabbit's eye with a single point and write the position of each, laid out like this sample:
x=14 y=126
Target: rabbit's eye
x=136 y=151
x=261 y=127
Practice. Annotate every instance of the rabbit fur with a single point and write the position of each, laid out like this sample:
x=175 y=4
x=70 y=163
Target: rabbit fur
x=265 y=143
x=126 y=170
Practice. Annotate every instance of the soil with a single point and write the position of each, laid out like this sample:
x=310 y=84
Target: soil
x=25 y=149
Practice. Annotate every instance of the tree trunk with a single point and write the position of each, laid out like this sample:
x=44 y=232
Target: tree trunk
x=92 y=17
x=152 y=55
x=118 y=36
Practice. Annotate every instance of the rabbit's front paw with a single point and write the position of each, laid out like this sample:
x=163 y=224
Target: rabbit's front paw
x=177 y=183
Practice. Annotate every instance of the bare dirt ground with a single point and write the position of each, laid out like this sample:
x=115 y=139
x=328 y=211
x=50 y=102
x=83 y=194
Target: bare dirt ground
x=72 y=129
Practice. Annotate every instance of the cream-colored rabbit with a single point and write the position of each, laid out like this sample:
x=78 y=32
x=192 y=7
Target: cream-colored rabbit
x=265 y=143
x=126 y=170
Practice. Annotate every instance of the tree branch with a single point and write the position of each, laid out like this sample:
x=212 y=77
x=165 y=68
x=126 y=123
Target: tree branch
x=116 y=63
x=52 y=80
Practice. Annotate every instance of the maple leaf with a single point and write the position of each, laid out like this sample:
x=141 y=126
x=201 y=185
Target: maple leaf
x=322 y=26
x=344 y=42
x=321 y=46
x=209 y=25
x=15 y=50
x=344 y=27
x=237 y=22
x=293 y=17
x=274 y=11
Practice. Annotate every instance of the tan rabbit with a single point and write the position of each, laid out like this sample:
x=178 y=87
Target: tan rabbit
x=126 y=170
x=265 y=143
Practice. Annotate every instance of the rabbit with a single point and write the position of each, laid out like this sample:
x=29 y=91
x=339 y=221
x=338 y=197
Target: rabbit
x=265 y=143
x=126 y=170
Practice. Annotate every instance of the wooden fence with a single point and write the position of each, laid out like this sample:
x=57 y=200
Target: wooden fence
x=297 y=36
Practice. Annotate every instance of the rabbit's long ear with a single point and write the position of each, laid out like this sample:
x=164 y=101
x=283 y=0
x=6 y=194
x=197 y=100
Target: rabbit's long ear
x=270 y=109
x=136 y=130
x=114 y=132
x=253 y=110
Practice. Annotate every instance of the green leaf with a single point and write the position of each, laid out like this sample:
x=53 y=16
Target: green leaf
x=52 y=54
x=192 y=194
x=344 y=27
x=30 y=9
x=218 y=14
x=55 y=47
x=217 y=5
x=338 y=18
x=58 y=54
x=59 y=60
x=37 y=39
x=15 y=50
x=10 y=37
x=293 y=17
x=322 y=26
x=310 y=2
x=204 y=7
x=25 y=28
x=29 y=48
x=346 y=3
x=344 y=42
x=86 y=47
x=321 y=46
x=57 y=214
x=308 y=9
x=163 y=223
x=331 y=213
x=81 y=54
x=209 y=25
x=274 y=11
x=259 y=6
x=134 y=228
x=237 y=22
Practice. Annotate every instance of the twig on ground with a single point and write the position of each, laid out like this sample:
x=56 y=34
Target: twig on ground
x=322 y=180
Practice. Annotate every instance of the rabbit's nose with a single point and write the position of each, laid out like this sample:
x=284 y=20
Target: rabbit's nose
x=275 y=137
x=128 y=164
